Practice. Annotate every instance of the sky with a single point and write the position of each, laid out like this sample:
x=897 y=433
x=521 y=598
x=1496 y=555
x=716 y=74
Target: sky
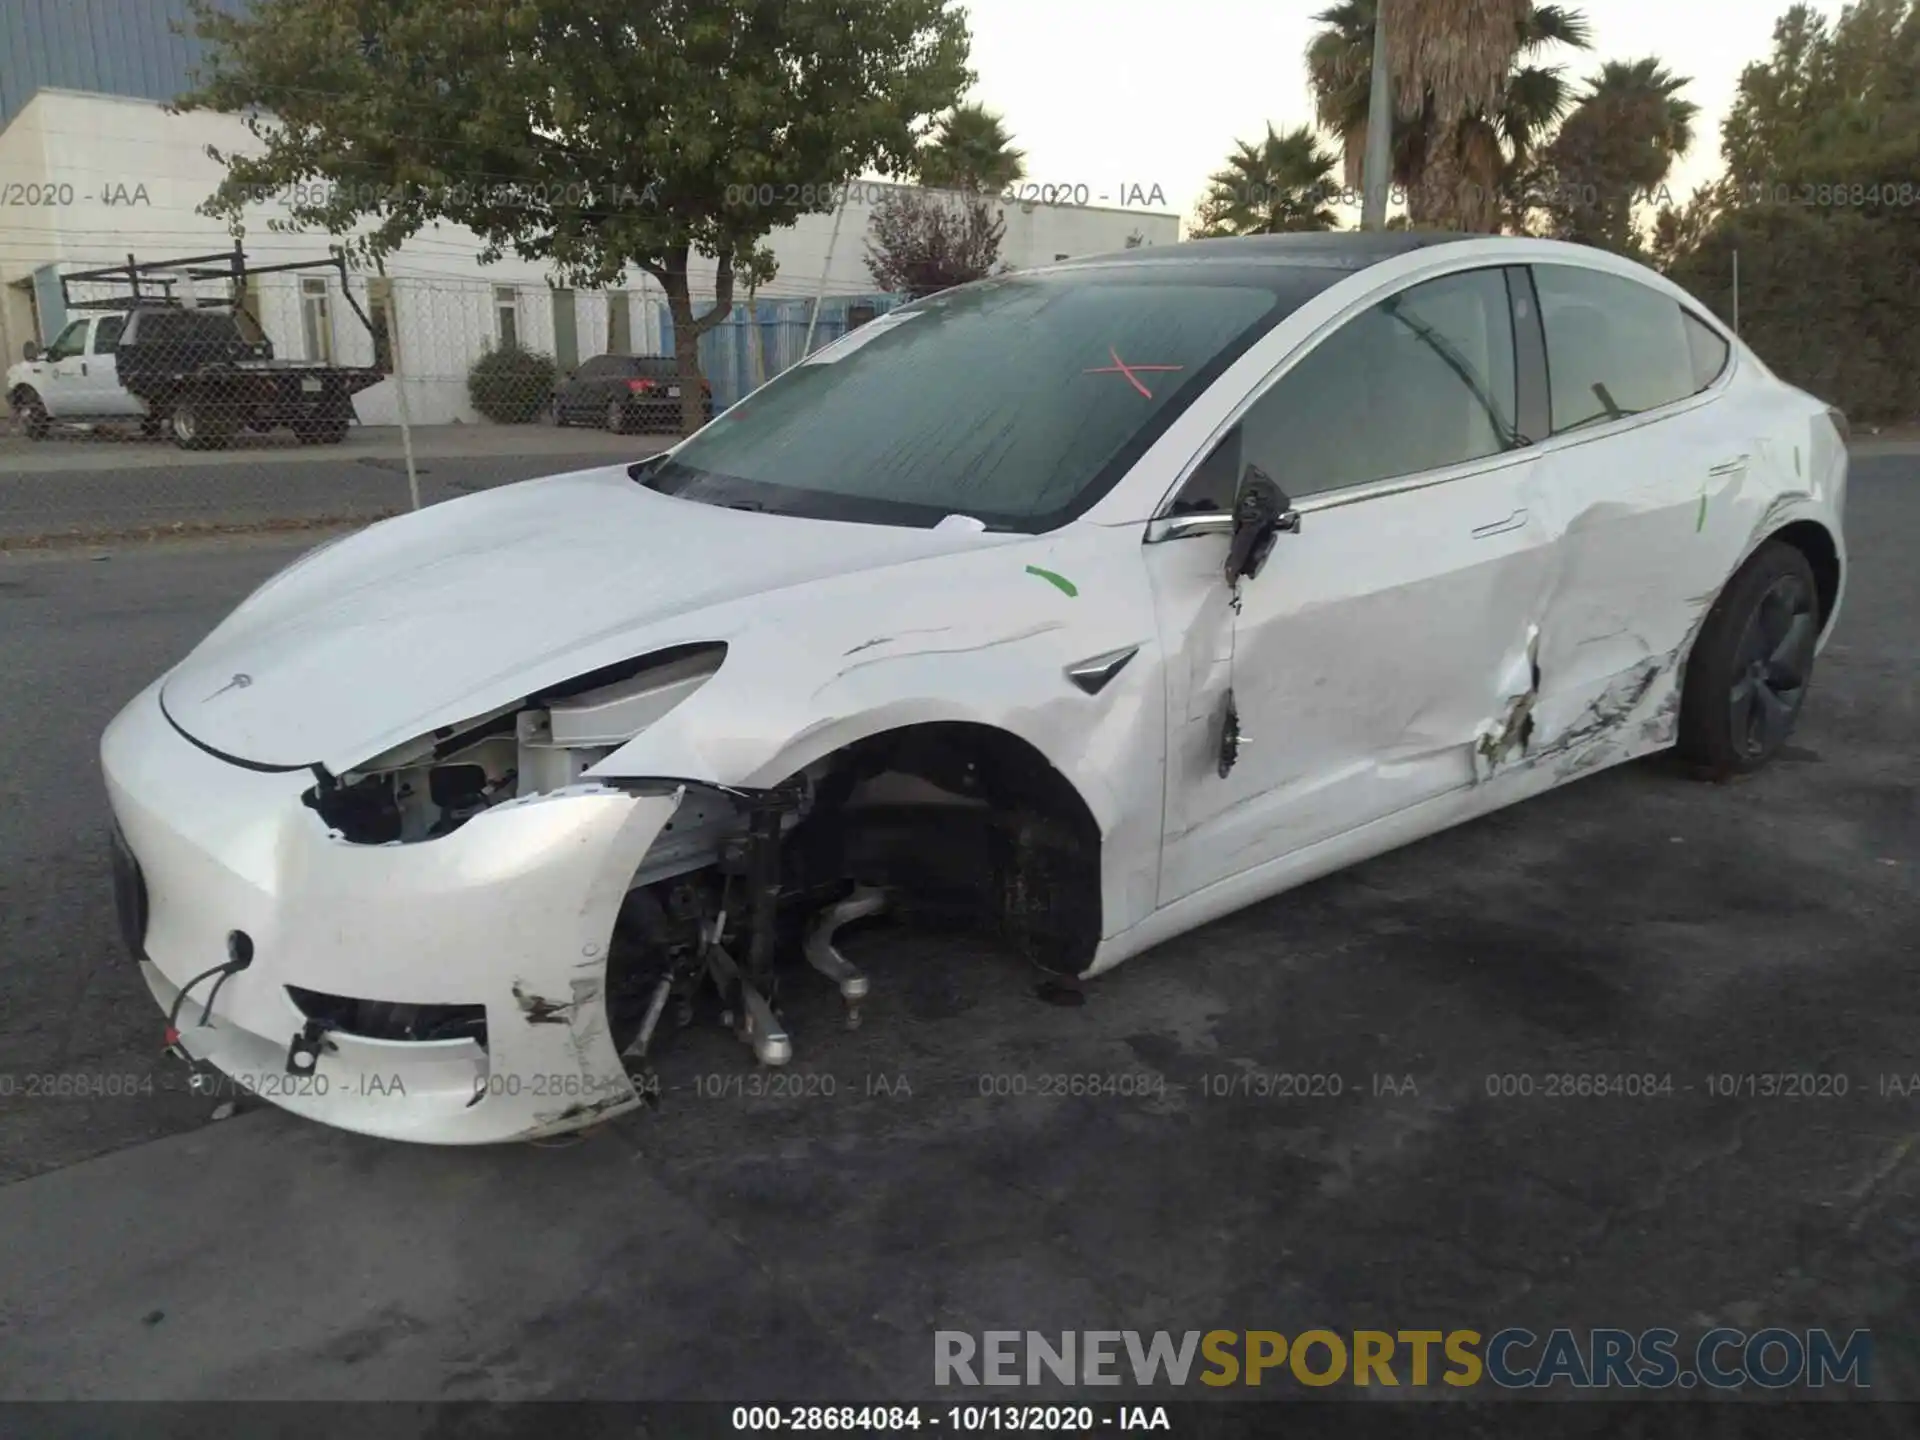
x=1119 y=94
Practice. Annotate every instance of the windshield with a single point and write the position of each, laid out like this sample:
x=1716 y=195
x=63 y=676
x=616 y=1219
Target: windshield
x=1019 y=401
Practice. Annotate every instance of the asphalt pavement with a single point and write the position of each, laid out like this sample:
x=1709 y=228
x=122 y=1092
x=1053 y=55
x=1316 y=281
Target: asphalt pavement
x=925 y=1174
x=79 y=485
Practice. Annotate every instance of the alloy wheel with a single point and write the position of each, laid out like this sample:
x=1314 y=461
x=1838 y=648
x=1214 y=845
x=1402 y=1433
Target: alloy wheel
x=1771 y=664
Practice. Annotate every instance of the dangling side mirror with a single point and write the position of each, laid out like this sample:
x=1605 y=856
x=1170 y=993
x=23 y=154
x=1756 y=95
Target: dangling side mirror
x=29 y=352
x=1261 y=511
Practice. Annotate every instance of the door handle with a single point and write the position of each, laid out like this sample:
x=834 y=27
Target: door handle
x=1500 y=527
x=83 y=367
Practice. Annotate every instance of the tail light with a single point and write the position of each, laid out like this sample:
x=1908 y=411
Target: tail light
x=640 y=387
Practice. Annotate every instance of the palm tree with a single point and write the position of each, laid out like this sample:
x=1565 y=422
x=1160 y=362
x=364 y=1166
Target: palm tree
x=1618 y=145
x=970 y=149
x=1648 y=91
x=1445 y=131
x=1281 y=184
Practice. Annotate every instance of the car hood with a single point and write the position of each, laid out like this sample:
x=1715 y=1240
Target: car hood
x=456 y=610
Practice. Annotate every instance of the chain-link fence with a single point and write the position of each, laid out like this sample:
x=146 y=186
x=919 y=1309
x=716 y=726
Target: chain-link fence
x=199 y=395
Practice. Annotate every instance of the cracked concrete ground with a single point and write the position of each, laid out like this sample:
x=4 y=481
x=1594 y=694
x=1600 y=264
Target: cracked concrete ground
x=805 y=1246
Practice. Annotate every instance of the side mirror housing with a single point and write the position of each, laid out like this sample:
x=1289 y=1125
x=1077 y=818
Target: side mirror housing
x=30 y=351
x=1261 y=512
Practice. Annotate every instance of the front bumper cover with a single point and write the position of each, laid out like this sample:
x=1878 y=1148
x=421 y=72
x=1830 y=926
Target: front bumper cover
x=514 y=911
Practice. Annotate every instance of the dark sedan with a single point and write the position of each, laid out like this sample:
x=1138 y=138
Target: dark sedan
x=625 y=393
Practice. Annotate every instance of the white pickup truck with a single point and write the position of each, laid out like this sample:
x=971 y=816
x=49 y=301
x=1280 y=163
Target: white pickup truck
x=196 y=372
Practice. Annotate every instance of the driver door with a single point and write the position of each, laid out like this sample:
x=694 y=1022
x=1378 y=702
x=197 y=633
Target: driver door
x=1375 y=643
x=61 y=377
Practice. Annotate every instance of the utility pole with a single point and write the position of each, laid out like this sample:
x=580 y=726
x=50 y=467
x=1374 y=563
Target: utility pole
x=826 y=268
x=1376 y=171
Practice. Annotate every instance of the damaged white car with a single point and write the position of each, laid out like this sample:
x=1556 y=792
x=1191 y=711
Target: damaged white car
x=1173 y=579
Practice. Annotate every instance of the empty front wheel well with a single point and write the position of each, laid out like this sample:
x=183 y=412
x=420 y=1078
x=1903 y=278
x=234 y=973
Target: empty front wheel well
x=1812 y=540
x=968 y=813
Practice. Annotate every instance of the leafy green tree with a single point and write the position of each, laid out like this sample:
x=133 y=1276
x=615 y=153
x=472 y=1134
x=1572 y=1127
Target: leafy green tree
x=586 y=133
x=970 y=149
x=1836 y=104
x=1820 y=208
x=1456 y=176
x=1283 y=183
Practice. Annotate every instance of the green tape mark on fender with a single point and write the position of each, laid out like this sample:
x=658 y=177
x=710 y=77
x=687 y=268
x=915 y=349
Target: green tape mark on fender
x=1700 y=520
x=1064 y=585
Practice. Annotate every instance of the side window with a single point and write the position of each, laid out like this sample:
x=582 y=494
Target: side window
x=106 y=333
x=1422 y=380
x=69 y=342
x=1710 y=353
x=600 y=367
x=214 y=327
x=1614 y=347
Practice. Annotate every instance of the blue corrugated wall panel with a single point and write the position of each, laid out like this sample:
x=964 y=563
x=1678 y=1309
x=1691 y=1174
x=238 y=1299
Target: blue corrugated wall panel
x=117 y=47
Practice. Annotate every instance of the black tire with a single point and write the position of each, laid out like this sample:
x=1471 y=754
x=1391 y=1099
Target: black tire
x=327 y=429
x=619 y=417
x=199 y=425
x=33 y=415
x=153 y=426
x=1748 y=675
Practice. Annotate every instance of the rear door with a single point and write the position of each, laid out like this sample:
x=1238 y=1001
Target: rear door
x=1368 y=657
x=105 y=394
x=1641 y=465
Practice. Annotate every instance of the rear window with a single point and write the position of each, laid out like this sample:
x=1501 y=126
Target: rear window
x=1710 y=353
x=1614 y=347
x=1018 y=401
x=186 y=327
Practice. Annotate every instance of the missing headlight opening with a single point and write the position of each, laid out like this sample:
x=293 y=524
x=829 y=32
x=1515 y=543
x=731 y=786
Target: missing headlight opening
x=432 y=786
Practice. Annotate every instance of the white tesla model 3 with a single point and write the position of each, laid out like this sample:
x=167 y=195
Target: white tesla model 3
x=1103 y=599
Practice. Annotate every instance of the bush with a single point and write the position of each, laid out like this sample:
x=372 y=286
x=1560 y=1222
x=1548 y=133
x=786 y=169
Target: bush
x=511 y=386
x=1831 y=301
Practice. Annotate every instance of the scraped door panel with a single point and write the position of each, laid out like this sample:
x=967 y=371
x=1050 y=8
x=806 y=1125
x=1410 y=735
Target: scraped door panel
x=1639 y=562
x=1650 y=484
x=1369 y=655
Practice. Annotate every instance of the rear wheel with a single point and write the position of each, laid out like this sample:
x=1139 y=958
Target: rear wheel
x=1748 y=675
x=33 y=415
x=198 y=424
x=325 y=429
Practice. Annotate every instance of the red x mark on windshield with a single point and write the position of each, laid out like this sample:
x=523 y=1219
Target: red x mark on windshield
x=1132 y=372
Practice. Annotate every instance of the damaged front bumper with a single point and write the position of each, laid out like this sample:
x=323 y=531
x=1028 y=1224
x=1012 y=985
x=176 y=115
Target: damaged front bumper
x=510 y=916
